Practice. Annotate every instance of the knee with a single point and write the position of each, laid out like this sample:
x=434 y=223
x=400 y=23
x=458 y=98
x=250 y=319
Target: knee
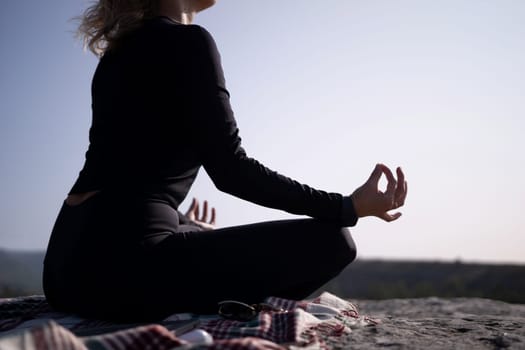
x=344 y=248
x=336 y=243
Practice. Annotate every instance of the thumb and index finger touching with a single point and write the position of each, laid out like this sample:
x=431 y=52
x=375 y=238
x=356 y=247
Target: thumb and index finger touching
x=379 y=170
x=395 y=191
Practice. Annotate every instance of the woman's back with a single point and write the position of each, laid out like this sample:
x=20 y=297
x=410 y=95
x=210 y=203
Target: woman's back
x=142 y=132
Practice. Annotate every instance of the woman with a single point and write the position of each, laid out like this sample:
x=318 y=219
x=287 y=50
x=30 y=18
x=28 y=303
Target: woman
x=120 y=249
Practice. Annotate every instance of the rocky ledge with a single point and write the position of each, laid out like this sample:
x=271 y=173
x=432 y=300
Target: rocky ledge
x=436 y=323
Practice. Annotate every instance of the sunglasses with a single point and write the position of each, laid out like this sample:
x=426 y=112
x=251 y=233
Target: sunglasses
x=238 y=311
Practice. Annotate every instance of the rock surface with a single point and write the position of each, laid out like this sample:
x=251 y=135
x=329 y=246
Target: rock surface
x=436 y=323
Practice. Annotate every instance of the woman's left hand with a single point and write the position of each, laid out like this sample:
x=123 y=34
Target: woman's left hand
x=368 y=200
x=194 y=212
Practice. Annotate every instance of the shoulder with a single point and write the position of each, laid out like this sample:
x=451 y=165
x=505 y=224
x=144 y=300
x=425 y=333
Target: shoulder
x=192 y=32
x=202 y=39
x=202 y=44
x=201 y=33
x=192 y=44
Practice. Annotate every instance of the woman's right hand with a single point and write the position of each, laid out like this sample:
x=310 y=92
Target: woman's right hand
x=368 y=200
x=194 y=211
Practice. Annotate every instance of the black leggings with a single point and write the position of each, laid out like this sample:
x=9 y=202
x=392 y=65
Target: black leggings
x=132 y=260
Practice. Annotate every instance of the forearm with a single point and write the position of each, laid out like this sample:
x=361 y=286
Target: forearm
x=248 y=179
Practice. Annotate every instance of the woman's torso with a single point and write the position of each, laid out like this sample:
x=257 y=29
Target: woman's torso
x=142 y=137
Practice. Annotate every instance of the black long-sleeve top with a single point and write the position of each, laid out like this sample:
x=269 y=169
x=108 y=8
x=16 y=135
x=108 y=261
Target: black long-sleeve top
x=161 y=111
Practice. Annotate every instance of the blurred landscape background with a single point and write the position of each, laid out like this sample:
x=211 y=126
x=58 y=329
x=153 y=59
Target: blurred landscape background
x=20 y=274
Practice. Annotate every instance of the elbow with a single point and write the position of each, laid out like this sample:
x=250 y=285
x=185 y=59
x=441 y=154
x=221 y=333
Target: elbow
x=226 y=174
x=222 y=185
x=222 y=181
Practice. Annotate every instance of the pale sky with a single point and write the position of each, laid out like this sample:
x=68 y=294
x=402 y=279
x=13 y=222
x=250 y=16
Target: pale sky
x=322 y=91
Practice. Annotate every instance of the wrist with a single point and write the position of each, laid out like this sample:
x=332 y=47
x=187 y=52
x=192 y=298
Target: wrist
x=349 y=215
x=356 y=206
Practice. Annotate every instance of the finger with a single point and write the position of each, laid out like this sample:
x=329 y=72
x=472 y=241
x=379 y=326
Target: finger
x=400 y=188
x=375 y=176
x=191 y=208
x=196 y=210
x=390 y=217
x=392 y=183
x=405 y=191
x=204 y=211
x=212 y=220
x=400 y=177
x=403 y=195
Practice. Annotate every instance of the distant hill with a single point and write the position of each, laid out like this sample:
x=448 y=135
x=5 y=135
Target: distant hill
x=376 y=279
x=20 y=274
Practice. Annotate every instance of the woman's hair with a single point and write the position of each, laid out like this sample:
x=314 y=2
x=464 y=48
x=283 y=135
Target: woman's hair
x=104 y=22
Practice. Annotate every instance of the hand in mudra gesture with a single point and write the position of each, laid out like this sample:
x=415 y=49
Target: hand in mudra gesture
x=194 y=212
x=370 y=201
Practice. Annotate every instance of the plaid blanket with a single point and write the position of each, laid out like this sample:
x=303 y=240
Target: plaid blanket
x=28 y=323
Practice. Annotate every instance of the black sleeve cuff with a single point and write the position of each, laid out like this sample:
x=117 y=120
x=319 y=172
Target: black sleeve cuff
x=348 y=214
